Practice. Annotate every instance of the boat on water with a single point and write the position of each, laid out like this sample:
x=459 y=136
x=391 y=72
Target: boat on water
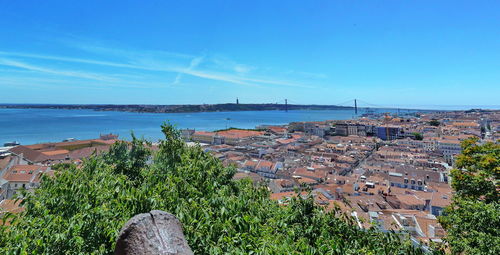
x=11 y=144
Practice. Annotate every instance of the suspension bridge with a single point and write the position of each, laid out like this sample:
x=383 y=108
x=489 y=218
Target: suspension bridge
x=358 y=105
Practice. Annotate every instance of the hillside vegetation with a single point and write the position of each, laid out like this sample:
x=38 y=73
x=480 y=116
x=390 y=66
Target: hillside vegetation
x=473 y=219
x=82 y=210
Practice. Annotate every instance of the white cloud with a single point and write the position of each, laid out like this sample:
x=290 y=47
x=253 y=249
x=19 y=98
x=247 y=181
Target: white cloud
x=193 y=64
x=239 y=68
x=223 y=68
x=210 y=68
x=26 y=66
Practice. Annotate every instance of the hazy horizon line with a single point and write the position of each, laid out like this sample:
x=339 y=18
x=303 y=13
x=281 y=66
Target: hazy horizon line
x=405 y=107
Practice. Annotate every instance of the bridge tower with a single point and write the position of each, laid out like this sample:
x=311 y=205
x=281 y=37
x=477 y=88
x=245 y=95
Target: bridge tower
x=355 y=107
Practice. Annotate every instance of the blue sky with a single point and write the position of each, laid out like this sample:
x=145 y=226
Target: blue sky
x=432 y=54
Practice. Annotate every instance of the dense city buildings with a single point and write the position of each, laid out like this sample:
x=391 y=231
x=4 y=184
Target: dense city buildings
x=387 y=171
x=21 y=167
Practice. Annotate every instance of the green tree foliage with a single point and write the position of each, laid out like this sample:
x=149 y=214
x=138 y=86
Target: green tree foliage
x=128 y=158
x=62 y=166
x=418 y=136
x=434 y=123
x=81 y=210
x=473 y=219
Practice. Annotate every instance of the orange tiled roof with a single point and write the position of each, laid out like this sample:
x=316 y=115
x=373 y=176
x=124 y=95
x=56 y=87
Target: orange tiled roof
x=236 y=133
x=440 y=200
x=4 y=162
x=410 y=199
x=109 y=142
x=55 y=152
x=79 y=142
x=450 y=141
x=206 y=133
x=29 y=154
x=251 y=163
x=265 y=163
x=277 y=129
x=23 y=173
x=38 y=176
x=11 y=206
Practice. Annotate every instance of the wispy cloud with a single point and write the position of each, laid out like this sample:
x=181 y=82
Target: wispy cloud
x=193 y=64
x=218 y=67
x=215 y=68
x=26 y=66
x=77 y=60
x=229 y=64
x=217 y=77
x=34 y=78
x=242 y=68
x=92 y=46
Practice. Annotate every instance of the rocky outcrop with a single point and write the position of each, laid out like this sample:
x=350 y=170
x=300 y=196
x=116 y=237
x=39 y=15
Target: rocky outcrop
x=156 y=232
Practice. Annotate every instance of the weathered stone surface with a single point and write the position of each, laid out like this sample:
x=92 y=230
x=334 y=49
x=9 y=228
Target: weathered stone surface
x=156 y=232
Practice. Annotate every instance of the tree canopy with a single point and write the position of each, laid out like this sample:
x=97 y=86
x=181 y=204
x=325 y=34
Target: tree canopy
x=473 y=219
x=418 y=136
x=434 y=123
x=82 y=209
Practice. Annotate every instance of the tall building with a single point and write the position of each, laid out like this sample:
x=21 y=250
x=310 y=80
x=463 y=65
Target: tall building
x=387 y=133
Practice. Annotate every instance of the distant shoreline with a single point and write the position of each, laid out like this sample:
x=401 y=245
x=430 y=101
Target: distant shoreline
x=176 y=108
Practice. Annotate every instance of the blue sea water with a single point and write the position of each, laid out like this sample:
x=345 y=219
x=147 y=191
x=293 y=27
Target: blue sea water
x=29 y=126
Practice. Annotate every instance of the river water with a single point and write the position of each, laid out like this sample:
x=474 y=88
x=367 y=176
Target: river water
x=29 y=126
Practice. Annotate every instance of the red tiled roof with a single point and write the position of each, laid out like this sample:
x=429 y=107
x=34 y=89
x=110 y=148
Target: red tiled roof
x=108 y=142
x=251 y=163
x=264 y=163
x=11 y=206
x=38 y=176
x=279 y=196
x=55 y=152
x=410 y=199
x=29 y=154
x=88 y=151
x=277 y=129
x=80 y=142
x=204 y=133
x=440 y=200
x=236 y=133
x=4 y=162
x=23 y=173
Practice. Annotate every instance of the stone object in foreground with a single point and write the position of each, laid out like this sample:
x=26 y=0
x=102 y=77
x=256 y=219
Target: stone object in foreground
x=156 y=232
